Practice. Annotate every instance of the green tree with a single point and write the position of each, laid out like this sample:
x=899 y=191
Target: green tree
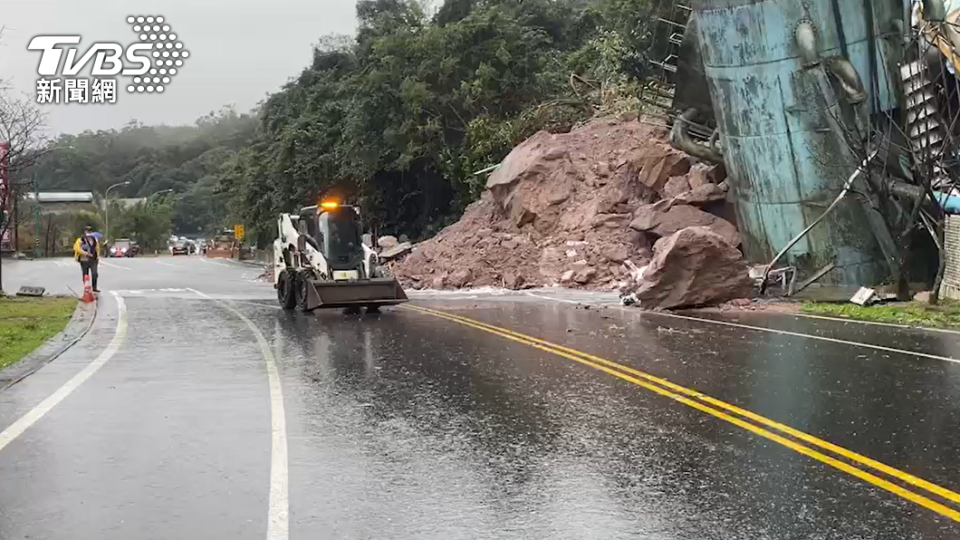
x=150 y=224
x=396 y=118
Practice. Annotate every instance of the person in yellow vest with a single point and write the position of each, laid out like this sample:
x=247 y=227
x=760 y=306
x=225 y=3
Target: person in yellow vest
x=86 y=250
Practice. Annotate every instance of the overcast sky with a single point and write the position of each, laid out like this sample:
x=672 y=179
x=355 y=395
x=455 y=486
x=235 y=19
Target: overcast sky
x=240 y=50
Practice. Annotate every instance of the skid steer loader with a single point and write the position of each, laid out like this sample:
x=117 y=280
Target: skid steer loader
x=320 y=261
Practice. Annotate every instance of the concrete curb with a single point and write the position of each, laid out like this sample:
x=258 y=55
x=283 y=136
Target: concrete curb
x=81 y=323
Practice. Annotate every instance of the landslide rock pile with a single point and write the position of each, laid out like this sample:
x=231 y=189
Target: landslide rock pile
x=582 y=209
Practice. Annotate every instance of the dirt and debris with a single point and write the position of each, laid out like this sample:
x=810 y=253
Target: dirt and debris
x=579 y=209
x=267 y=275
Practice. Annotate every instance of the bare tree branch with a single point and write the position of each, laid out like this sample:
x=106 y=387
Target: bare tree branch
x=23 y=127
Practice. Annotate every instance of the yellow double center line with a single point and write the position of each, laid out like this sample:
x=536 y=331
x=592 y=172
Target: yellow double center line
x=736 y=416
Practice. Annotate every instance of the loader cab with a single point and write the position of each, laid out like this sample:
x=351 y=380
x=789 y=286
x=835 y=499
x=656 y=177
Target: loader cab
x=336 y=233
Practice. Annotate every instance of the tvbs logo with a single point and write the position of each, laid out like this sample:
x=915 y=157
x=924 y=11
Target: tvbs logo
x=107 y=57
x=151 y=61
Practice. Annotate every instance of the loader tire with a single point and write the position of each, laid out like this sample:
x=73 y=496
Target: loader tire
x=301 y=283
x=285 y=290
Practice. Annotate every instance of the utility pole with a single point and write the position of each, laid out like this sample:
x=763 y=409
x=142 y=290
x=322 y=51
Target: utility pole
x=6 y=190
x=106 y=200
x=16 y=222
x=36 y=217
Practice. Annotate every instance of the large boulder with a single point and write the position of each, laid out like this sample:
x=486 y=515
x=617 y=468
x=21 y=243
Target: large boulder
x=664 y=220
x=693 y=267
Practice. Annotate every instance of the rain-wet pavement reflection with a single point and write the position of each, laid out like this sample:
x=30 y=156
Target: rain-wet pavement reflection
x=892 y=407
x=407 y=425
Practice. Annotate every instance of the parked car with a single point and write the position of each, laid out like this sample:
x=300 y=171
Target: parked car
x=124 y=247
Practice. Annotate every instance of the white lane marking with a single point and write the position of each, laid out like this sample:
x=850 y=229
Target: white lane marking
x=876 y=323
x=278 y=516
x=24 y=422
x=169 y=264
x=257 y=304
x=550 y=298
x=219 y=263
x=774 y=331
x=111 y=265
x=802 y=335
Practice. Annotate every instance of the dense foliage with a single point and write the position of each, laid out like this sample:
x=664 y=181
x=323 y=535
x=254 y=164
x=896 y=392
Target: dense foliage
x=397 y=119
x=186 y=160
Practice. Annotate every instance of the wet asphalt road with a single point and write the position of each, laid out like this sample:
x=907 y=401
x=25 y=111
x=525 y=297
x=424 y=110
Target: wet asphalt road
x=411 y=425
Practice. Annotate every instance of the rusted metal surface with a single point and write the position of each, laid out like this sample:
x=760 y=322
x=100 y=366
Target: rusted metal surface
x=782 y=126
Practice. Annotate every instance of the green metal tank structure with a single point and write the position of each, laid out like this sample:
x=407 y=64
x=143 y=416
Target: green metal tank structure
x=788 y=79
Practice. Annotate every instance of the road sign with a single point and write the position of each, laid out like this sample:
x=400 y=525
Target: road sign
x=238 y=231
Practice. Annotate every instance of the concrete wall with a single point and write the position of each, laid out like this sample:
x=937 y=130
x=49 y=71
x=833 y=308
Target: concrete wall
x=950 y=287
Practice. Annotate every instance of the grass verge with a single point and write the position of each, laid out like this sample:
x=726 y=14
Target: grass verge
x=944 y=315
x=25 y=323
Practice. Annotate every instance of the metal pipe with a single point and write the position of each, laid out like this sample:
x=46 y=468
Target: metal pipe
x=843 y=193
x=805 y=36
x=950 y=204
x=680 y=139
x=849 y=79
x=813 y=279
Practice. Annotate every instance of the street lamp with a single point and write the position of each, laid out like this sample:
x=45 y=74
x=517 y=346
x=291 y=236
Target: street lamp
x=159 y=192
x=106 y=198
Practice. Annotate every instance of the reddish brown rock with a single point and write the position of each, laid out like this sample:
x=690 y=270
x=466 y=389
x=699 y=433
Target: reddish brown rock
x=675 y=186
x=705 y=194
x=585 y=275
x=693 y=267
x=513 y=281
x=582 y=186
x=461 y=277
x=658 y=168
x=615 y=252
x=699 y=176
x=649 y=219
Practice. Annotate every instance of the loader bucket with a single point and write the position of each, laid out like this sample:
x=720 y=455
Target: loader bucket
x=220 y=253
x=365 y=292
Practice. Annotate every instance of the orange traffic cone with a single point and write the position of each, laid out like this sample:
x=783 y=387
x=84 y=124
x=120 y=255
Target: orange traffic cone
x=87 y=290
